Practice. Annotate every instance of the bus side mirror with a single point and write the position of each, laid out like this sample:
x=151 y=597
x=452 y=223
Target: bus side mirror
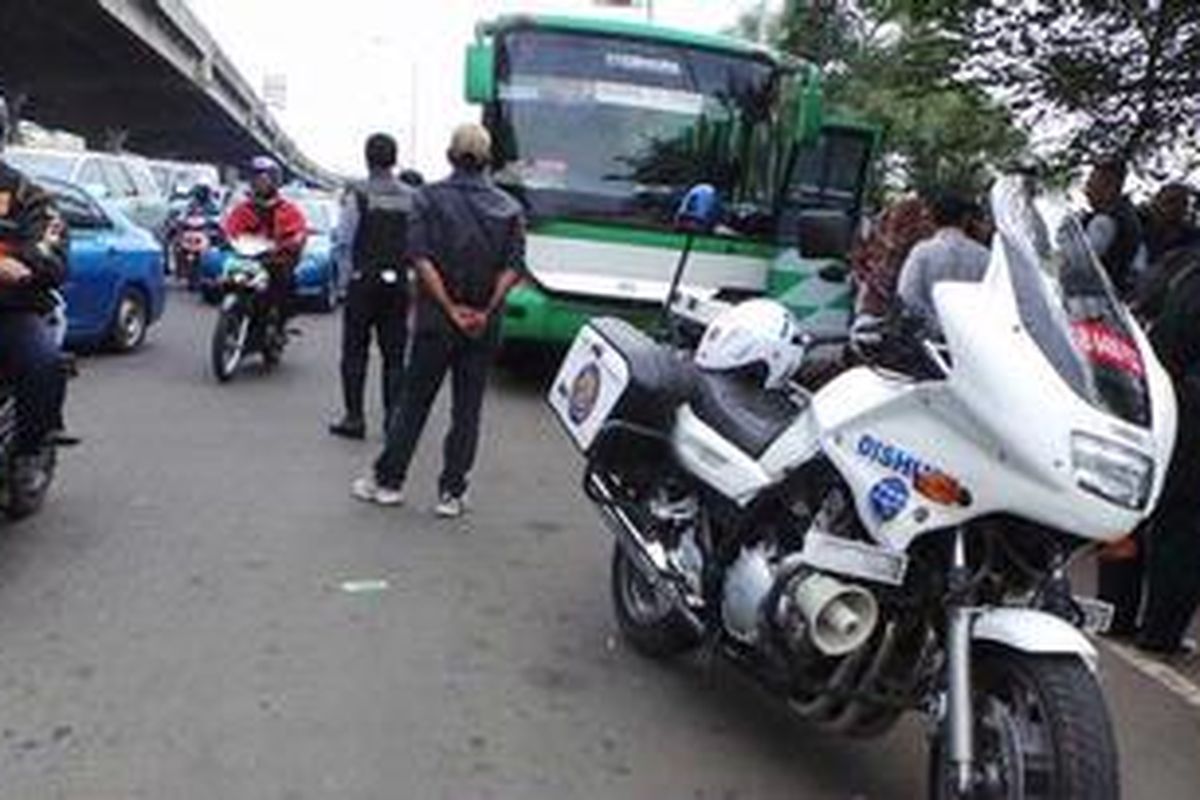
x=699 y=210
x=481 y=73
x=823 y=233
x=810 y=113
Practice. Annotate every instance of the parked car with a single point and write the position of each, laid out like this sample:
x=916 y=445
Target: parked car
x=115 y=286
x=176 y=178
x=124 y=181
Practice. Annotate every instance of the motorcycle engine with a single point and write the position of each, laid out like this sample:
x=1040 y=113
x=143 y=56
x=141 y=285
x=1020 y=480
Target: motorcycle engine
x=813 y=612
x=676 y=524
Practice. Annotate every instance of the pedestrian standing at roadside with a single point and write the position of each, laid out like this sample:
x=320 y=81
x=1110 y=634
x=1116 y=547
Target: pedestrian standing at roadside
x=1171 y=537
x=877 y=260
x=371 y=242
x=1113 y=228
x=1167 y=222
x=949 y=255
x=467 y=243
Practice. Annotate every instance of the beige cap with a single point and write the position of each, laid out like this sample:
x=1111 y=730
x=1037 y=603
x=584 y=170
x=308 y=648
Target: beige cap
x=471 y=140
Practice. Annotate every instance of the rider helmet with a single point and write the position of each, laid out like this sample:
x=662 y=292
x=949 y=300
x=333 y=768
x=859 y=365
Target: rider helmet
x=758 y=337
x=266 y=176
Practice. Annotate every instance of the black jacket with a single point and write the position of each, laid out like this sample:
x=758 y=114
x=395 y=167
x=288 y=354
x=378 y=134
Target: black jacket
x=32 y=232
x=472 y=231
x=1176 y=340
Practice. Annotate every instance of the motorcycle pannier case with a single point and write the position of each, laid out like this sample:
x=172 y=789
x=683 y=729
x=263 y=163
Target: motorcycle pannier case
x=615 y=371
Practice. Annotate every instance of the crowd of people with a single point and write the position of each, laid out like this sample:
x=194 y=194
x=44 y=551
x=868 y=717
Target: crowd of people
x=1151 y=255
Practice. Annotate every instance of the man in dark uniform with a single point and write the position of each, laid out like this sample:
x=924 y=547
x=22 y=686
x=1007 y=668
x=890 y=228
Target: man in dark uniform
x=33 y=263
x=371 y=240
x=1173 y=536
x=467 y=243
x=1113 y=227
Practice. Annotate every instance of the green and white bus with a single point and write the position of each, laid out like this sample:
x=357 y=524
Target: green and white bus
x=601 y=126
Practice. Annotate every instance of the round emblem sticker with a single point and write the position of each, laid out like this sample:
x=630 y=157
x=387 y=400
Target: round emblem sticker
x=585 y=391
x=888 y=498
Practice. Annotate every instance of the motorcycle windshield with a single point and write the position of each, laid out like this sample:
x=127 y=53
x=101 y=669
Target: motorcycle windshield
x=1067 y=303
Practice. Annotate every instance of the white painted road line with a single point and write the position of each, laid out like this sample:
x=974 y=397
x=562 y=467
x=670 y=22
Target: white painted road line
x=1162 y=674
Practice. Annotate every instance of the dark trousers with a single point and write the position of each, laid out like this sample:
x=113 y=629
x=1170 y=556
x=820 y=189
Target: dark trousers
x=30 y=358
x=1162 y=582
x=1172 y=577
x=433 y=355
x=278 y=297
x=1119 y=581
x=382 y=311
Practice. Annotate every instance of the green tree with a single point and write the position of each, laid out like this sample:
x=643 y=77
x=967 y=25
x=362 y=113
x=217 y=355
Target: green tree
x=1108 y=77
x=900 y=64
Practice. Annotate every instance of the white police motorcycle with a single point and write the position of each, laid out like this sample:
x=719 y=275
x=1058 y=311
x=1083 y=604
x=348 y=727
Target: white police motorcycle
x=896 y=541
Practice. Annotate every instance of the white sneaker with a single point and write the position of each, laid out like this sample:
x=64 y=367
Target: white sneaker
x=450 y=507
x=367 y=490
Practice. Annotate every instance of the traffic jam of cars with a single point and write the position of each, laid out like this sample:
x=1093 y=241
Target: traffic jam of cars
x=135 y=223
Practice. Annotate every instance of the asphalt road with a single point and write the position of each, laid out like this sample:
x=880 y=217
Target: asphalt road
x=176 y=623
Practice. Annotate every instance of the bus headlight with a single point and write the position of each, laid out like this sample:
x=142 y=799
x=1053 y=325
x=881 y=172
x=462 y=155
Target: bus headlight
x=1113 y=471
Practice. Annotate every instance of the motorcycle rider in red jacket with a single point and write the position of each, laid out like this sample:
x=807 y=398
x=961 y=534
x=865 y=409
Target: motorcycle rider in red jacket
x=268 y=214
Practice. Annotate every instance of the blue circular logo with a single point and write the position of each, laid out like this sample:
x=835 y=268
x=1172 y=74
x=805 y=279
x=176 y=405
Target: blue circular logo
x=888 y=498
x=585 y=391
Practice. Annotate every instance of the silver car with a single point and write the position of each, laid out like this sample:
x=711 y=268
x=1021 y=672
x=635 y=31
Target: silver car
x=123 y=180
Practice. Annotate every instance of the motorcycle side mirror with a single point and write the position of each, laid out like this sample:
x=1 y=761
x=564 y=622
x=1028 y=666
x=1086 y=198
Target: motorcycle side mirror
x=833 y=273
x=823 y=233
x=699 y=210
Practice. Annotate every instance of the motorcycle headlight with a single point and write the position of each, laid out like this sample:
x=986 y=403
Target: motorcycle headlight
x=1113 y=471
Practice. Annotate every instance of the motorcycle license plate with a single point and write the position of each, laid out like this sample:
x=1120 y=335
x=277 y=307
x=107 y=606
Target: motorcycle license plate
x=1097 y=614
x=588 y=386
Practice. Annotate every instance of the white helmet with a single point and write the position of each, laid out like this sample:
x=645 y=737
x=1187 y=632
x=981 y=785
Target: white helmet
x=753 y=332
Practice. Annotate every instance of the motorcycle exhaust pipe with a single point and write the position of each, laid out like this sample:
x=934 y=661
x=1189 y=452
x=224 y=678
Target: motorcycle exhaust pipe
x=647 y=557
x=841 y=617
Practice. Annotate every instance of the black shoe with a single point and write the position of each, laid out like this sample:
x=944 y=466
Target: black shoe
x=1185 y=648
x=61 y=438
x=349 y=429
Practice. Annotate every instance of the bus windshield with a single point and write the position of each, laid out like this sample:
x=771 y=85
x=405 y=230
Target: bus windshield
x=601 y=127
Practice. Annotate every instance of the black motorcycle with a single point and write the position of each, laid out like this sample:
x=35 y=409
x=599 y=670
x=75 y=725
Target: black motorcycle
x=245 y=323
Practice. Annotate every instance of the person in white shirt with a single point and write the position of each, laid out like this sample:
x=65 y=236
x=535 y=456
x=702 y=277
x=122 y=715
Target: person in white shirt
x=949 y=255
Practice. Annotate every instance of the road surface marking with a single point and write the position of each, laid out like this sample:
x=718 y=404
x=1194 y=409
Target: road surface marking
x=1166 y=676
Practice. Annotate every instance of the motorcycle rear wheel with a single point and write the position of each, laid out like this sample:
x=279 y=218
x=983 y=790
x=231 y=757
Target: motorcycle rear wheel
x=21 y=502
x=646 y=619
x=1042 y=731
x=229 y=342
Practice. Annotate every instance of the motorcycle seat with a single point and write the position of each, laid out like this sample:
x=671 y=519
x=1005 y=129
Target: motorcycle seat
x=659 y=380
x=742 y=412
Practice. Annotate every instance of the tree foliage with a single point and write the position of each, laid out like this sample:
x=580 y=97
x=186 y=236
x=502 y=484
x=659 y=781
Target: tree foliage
x=1103 y=77
x=899 y=64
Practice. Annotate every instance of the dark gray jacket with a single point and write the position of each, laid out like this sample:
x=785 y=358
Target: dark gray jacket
x=472 y=232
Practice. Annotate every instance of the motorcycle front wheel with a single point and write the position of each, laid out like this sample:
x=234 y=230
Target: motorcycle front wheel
x=1042 y=732
x=229 y=340
x=645 y=617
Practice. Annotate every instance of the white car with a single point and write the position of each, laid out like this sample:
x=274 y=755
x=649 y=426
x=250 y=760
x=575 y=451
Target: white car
x=121 y=179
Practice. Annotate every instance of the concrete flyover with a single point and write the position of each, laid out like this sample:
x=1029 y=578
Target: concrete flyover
x=143 y=75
